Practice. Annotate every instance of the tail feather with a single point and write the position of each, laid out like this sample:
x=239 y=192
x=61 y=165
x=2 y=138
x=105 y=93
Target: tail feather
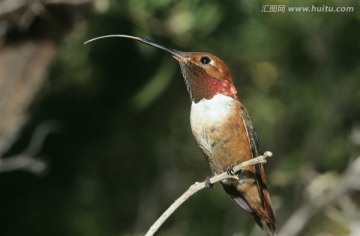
x=268 y=224
x=259 y=207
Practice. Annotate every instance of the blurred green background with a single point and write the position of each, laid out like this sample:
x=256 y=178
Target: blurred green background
x=125 y=150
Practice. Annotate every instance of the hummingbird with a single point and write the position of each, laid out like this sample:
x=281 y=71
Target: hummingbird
x=222 y=128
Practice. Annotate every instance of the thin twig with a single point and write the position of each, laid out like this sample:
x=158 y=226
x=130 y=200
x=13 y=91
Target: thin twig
x=199 y=186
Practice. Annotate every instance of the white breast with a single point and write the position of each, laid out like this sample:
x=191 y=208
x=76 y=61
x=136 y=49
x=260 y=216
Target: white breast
x=212 y=110
x=208 y=114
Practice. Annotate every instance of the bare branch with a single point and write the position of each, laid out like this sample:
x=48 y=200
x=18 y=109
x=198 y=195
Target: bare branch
x=23 y=162
x=199 y=186
x=314 y=204
x=27 y=160
x=39 y=136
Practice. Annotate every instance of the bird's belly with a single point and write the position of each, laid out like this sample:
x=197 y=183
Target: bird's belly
x=218 y=129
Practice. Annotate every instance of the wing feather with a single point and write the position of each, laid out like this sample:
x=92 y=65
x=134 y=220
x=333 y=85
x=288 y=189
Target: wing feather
x=254 y=144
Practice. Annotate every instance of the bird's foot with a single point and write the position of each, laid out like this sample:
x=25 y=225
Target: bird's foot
x=208 y=183
x=230 y=170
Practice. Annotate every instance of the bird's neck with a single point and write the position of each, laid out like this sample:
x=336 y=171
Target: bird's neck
x=207 y=87
x=202 y=85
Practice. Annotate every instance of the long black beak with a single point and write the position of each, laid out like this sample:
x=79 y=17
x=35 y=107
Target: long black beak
x=173 y=52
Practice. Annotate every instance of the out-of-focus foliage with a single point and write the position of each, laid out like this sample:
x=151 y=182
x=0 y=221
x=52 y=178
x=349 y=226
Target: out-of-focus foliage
x=126 y=150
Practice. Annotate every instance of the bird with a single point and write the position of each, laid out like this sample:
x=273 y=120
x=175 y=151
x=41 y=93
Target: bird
x=222 y=128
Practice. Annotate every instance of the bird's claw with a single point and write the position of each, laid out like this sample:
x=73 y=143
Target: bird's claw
x=230 y=170
x=208 y=183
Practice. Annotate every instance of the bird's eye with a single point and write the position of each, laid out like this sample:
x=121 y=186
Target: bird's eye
x=205 y=60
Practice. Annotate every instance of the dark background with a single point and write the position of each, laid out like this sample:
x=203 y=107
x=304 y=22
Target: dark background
x=123 y=149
